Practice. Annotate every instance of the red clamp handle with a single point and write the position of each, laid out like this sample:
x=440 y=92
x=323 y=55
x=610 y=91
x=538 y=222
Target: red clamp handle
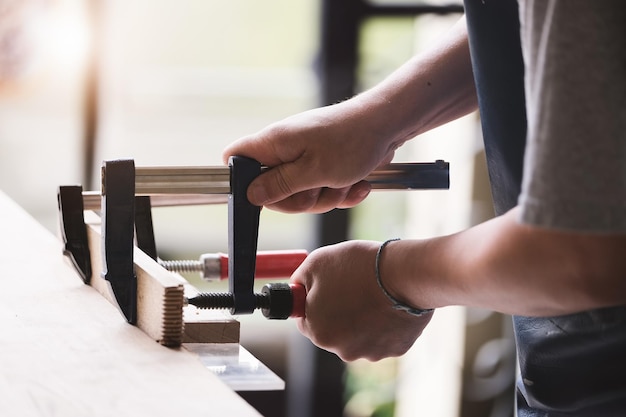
x=270 y=264
x=298 y=297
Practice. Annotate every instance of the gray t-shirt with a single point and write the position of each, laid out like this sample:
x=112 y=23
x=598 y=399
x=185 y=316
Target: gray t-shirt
x=574 y=179
x=575 y=161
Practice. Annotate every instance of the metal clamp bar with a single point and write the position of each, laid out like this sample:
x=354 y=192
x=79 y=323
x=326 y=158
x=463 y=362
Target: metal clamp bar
x=412 y=176
x=182 y=180
x=92 y=200
x=216 y=180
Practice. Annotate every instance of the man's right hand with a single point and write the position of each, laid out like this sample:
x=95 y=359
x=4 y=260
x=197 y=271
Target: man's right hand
x=318 y=159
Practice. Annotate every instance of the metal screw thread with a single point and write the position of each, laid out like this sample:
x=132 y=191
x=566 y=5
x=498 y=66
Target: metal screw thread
x=182 y=266
x=225 y=301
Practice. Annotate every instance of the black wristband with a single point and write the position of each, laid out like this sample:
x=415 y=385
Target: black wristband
x=396 y=304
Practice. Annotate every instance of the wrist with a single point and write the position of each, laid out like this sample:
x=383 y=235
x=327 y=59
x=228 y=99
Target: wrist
x=383 y=119
x=396 y=302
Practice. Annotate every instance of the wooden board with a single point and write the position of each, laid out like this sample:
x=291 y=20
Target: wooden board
x=209 y=327
x=160 y=299
x=66 y=351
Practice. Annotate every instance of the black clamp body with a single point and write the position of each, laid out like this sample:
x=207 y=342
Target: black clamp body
x=118 y=220
x=73 y=229
x=243 y=232
x=144 y=228
x=76 y=245
x=123 y=214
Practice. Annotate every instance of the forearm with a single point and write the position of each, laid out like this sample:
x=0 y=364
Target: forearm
x=431 y=89
x=512 y=268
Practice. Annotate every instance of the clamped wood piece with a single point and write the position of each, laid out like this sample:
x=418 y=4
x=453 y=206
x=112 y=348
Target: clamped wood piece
x=118 y=232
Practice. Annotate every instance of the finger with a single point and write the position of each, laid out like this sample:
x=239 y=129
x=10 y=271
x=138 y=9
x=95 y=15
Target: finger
x=319 y=200
x=282 y=181
x=330 y=198
x=358 y=192
x=301 y=323
x=289 y=175
x=259 y=148
x=322 y=200
x=302 y=202
x=346 y=197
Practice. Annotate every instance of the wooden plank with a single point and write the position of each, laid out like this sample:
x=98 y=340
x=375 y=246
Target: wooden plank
x=160 y=299
x=67 y=352
x=209 y=326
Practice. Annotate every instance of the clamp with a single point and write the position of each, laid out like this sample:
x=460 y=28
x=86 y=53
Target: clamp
x=126 y=213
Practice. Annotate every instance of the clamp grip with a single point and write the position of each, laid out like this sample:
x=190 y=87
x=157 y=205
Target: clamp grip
x=284 y=300
x=243 y=232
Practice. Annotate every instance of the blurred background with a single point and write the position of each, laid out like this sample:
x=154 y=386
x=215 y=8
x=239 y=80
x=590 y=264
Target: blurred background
x=172 y=82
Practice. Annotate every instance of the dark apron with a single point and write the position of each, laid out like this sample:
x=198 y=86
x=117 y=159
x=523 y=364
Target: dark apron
x=571 y=365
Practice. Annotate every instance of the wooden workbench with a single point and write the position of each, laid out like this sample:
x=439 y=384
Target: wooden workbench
x=66 y=351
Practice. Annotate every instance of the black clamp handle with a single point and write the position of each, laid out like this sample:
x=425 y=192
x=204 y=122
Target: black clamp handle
x=243 y=232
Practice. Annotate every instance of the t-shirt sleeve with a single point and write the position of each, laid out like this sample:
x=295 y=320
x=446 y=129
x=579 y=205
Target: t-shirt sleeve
x=575 y=160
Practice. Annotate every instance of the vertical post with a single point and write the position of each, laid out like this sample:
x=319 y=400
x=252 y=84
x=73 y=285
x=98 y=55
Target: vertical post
x=336 y=69
x=91 y=94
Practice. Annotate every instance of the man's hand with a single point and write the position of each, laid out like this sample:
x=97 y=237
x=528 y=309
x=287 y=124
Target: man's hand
x=318 y=159
x=346 y=312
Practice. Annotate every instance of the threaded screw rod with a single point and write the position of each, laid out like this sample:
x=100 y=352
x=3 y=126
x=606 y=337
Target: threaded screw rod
x=276 y=300
x=225 y=301
x=182 y=265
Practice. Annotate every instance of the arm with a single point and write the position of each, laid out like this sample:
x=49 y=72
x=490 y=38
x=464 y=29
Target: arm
x=500 y=265
x=321 y=156
x=510 y=267
x=535 y=268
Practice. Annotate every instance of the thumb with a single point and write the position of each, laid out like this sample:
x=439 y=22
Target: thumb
x=279 y=183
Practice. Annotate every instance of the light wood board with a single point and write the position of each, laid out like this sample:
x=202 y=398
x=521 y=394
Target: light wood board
x=65 y=351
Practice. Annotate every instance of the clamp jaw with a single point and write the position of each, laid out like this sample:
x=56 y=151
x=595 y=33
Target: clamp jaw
x=118 y=232
x=73 y=231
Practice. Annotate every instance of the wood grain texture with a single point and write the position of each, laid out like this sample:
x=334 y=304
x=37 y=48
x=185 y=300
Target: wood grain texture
x=160 y=299
x=67 y=352
x=207 y=326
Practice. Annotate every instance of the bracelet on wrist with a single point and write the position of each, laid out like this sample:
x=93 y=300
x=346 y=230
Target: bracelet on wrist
x=396 y=304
